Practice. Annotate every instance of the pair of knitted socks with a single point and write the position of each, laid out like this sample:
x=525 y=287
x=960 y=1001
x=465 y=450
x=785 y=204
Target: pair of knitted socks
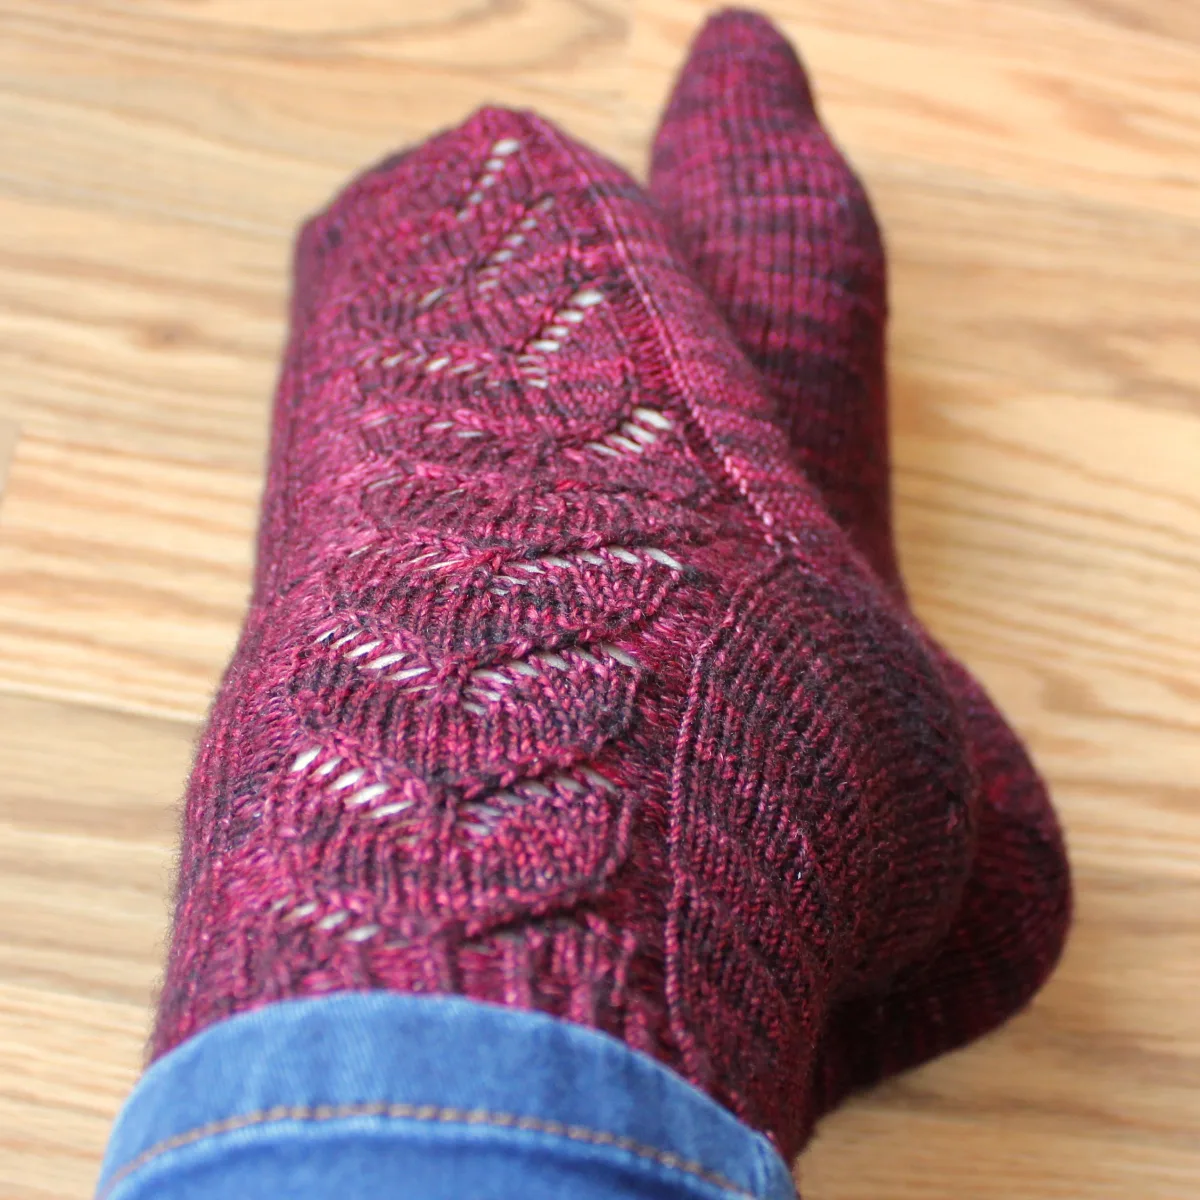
x=578 y=674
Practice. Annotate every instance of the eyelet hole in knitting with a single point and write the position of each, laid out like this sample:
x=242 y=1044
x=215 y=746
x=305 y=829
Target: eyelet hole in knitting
x=515 y=745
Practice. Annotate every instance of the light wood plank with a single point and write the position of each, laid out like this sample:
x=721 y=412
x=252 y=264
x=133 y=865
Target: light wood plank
x=139 y=333
x=88 y=811
x=122 y=579
x=1069 y=103
x=250 y=115
x=896 y=1153
x=9 y=432
x=1042 y=293
x=1036 y=164
x=88 y=802
x=1173 y=20
x=66 y=1062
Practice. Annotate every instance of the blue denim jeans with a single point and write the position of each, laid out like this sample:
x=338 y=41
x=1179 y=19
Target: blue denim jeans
x=375 y=1096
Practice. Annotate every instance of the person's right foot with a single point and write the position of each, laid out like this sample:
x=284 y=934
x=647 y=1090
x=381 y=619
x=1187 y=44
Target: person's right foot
x=560 y=688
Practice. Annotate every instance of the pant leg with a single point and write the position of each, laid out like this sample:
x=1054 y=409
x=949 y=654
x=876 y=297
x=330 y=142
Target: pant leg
x=380 y=1096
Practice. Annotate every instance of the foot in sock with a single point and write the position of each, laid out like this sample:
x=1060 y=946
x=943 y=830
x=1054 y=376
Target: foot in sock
x=560 y=688
x=782 y=235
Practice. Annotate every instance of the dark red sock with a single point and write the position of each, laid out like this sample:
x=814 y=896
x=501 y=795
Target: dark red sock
x=560 y=688
x=781 y=233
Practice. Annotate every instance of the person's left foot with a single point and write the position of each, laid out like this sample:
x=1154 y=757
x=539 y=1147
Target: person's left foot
x=782 y=234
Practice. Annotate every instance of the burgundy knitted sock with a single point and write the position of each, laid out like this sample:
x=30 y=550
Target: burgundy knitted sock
x=781 y=233
x=559 y=688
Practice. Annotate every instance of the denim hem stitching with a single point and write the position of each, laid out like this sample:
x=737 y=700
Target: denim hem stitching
x=431 y=1113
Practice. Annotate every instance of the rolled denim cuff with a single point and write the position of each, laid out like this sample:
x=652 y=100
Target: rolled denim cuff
x=377 y=1095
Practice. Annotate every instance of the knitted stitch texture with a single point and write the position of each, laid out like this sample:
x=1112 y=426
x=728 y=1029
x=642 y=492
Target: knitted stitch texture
x=560 y=688
x=782 y=234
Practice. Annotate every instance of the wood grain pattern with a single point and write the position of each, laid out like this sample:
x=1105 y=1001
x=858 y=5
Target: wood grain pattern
x=1026 y=97
x=1036 y=164
x=122 y=578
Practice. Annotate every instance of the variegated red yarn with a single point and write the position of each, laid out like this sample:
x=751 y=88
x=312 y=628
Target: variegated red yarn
x=561 y=687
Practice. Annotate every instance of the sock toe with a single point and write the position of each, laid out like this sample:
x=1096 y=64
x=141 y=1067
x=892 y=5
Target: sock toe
x=781 y=233
x=743 y=52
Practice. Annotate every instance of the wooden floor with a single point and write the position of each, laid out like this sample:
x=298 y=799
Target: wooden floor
x=1037 y=167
